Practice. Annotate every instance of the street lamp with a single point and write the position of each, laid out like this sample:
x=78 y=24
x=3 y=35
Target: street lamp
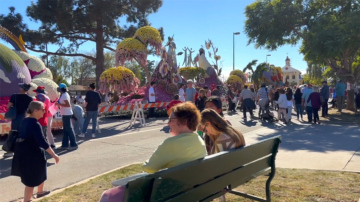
x=267 y=56
x=235 y=33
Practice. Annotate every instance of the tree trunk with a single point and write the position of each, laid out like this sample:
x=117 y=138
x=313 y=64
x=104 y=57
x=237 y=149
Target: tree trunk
x=350 y=103
x=99 y=51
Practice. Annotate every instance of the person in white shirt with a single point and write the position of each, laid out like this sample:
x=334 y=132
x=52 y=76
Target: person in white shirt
x=152 y=99
x=290 y=98
x=66 y=112
x=283 y=104
x=182 y=93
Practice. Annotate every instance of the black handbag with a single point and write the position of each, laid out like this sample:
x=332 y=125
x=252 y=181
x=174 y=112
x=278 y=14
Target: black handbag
x=11 y=114
x=9 y=145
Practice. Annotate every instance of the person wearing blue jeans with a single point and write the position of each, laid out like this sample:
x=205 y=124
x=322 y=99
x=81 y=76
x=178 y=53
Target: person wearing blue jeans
x=66 y=113
x=309 y=111
x=299 y=111
x=92 y=102
x=68 y=133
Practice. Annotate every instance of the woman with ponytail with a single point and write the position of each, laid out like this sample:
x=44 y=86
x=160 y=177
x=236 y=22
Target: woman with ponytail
x=29 y=162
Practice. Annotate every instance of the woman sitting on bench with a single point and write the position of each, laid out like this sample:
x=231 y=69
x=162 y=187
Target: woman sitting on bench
x=222 y=135
x=184 y=119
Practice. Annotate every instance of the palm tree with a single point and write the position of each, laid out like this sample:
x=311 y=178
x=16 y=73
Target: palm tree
x=250 y=68
x=257 y=76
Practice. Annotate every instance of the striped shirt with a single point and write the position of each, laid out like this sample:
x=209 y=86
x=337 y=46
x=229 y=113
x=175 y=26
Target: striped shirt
x=262 y=92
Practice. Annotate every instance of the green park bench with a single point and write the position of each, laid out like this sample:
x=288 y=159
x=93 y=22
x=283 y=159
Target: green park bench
x=208 y=178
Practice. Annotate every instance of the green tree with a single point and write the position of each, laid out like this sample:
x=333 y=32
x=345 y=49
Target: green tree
x=328 y=30
x=256 y=75
x=56 y=66
x=71 y=23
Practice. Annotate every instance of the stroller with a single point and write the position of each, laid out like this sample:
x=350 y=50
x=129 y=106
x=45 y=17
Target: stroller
x=264 y=111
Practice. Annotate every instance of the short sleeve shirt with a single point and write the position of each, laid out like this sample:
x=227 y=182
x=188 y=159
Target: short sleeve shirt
x=65 y=110
x=93 y=100
x=20 y=102
x=190 y=94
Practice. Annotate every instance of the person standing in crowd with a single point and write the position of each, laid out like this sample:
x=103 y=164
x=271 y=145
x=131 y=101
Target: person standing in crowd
x=230 y=97
x=283 y=104
x=340 y=94
x=216 y=91
x=29 y=162
x=152 y=99
x=247 y=98
x=262 y=98
x=290 y=99
x=324 y=93
x=173 y=102
x=306 y=103
x=190 y=91
x=200 y=101
x=182 y=93
x=315 y=100
x=271 y=96
x=357 y=99
x=20 y=101
x=92 y=102
x=297 y=98
x=78 y=118
x=41 y=96
x=207 y=91
x=276 y=98
x=66 y=113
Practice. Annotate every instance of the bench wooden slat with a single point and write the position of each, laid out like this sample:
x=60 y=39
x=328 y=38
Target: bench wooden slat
x=184 y=177
x=237 y=177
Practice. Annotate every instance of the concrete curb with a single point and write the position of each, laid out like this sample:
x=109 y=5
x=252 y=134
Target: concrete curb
x=58 y=190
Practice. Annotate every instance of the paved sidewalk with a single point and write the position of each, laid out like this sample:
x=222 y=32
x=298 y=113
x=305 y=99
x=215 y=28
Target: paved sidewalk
x=325 y=147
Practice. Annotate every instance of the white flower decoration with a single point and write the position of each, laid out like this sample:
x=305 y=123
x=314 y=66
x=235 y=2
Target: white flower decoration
x=50 y=87
x=35 y=63
x=45 y=74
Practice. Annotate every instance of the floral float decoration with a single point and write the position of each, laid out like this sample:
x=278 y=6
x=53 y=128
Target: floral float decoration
x=149 y=35
x=120 y=79
x=240 y=74
x=192 y=72
x=136 y=47
x=177 y=79
x=235 y=82
x=129 y=49
x=164 y=69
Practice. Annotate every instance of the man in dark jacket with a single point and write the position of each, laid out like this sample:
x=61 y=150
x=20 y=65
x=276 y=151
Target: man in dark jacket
x=324 y=94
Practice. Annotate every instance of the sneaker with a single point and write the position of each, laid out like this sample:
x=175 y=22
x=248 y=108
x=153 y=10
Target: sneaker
x=93 y=135
x=73 y=148
x=82 y=135
x=8 y=154
x=62 y=148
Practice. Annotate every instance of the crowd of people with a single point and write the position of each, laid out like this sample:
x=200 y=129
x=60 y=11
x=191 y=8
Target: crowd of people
x=196 y=122
x=32 y=128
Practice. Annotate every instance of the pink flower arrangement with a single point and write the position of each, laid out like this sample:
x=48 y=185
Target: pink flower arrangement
x=129 y=98
x=3 y=104
x=3 y=107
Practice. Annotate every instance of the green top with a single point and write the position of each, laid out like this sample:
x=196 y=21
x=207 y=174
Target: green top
x=175 y=151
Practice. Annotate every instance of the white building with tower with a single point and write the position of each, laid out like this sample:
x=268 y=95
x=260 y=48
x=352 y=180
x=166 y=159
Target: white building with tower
x=292 y=75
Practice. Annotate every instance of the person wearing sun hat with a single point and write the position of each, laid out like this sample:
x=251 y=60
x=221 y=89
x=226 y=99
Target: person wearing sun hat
x=20 y=101
x=46 y=120
x=66 y=113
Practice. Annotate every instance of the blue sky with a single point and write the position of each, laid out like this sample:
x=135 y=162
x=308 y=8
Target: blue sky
x=194 y=21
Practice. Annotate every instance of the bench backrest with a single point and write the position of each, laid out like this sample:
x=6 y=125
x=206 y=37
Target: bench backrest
x=198 y=179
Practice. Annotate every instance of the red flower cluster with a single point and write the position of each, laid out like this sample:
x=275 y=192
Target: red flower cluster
x=3 y=104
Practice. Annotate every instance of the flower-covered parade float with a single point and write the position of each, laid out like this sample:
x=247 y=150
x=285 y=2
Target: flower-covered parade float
x=17 y=66
x=167 y=75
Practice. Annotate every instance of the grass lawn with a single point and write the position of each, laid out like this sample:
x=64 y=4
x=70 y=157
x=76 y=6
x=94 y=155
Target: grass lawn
x=293 y=185
x=345 y=116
